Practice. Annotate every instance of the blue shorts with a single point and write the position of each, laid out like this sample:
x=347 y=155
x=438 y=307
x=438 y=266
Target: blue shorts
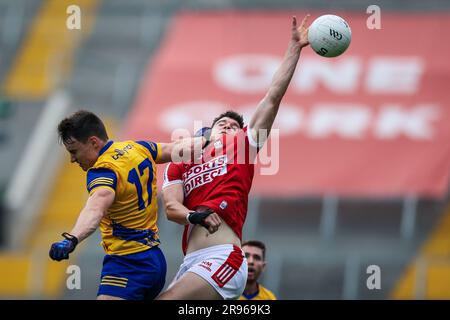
x=135 y=276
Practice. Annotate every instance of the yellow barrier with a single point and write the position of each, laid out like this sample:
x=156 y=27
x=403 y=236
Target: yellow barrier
x=46 y=55
x=428 y=276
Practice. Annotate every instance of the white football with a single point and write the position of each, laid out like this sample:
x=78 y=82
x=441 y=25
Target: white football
x=329 y=35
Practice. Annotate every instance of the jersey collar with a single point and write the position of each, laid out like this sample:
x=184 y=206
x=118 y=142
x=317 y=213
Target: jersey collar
x=251 y=296
x=105 y=147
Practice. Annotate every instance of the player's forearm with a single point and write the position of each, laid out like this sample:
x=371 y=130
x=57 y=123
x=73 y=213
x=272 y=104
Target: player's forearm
x=283 y=75
x=87 y=222
x=267 y=109
x=94 y=211
x=177 y=212
x=187 y=149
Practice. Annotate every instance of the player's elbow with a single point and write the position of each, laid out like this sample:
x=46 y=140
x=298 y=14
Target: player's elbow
x=274 y=98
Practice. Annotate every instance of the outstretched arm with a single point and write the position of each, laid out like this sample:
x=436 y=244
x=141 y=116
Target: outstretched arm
x=88 y=221
x=267 y=109
x=92 y=213
x=183 y=150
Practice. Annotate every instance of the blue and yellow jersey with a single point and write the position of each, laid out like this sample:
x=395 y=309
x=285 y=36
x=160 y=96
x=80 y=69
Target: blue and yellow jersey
x=129 y=169
x=261 y=294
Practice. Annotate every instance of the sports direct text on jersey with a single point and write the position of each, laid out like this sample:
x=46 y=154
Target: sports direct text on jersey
x=204 y=173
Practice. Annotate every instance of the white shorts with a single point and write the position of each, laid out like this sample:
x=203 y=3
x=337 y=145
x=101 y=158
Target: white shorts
x=223 y=266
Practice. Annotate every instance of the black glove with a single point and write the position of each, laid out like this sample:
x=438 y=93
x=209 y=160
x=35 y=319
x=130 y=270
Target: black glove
x=204 y=132
x=60 y=250
x=196 y=217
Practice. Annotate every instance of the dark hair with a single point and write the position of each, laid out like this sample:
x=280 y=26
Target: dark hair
x=230 y=114
x=80 y=126
x=256 y=243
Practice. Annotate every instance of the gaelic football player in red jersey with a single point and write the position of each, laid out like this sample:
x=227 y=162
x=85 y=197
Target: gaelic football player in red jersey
x=210 y=196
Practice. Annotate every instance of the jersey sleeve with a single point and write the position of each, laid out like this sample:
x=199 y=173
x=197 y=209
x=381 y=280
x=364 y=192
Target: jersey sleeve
x=252 y=147
x=252 y=142
x=153 y=148
x=172 y=175
x=101 y=178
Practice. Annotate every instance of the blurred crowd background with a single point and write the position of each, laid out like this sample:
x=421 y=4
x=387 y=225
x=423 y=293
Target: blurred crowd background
x=361 y=164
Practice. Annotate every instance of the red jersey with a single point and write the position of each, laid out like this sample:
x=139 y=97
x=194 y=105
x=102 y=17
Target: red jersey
x=220 y=180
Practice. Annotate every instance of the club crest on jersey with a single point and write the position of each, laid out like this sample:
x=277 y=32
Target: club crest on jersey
x=223 y=205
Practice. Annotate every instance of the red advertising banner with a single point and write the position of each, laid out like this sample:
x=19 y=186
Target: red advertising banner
x=372 y=122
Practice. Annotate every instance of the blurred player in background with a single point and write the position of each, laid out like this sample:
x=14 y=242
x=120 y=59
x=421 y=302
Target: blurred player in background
x=210 y=197
x=255 y=252
x=121 y=181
